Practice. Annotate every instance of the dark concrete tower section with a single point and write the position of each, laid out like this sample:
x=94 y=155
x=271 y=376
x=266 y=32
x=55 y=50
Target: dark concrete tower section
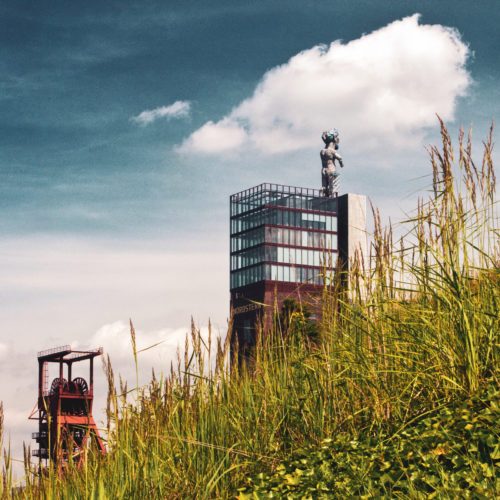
x=352 y=237
x=283 y=245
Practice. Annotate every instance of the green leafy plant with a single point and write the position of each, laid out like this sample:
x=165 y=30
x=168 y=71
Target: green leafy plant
x=453 y=452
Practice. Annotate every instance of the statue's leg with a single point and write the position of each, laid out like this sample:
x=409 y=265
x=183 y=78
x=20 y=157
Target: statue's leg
x=324 y=181
x=335 y=182
x=330 y=179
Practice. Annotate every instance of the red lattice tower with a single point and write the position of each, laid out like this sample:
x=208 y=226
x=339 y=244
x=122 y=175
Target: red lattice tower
x=66 y=428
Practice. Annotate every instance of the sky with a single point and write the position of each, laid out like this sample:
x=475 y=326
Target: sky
x=125 y=126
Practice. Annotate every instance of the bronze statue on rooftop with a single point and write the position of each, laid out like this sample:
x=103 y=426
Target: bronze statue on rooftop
x=329 y=157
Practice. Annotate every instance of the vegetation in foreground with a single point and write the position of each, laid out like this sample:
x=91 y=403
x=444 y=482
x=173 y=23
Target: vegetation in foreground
x=453 y=451
x=396 y=394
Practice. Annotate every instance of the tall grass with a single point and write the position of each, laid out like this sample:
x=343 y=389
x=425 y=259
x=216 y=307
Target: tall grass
x=418 y=328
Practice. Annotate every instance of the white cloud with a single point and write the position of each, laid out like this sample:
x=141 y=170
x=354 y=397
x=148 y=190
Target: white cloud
x=3 y=350
x=381 y=90
x=179 y=109
x=157 y=349
x=225 y=135
x=116 y=341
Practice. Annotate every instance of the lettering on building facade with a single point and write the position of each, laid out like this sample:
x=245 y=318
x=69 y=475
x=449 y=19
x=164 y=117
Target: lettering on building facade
x=246 y=308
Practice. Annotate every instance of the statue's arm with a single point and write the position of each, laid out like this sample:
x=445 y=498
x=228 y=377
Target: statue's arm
x=339 y=158
x=324 y=160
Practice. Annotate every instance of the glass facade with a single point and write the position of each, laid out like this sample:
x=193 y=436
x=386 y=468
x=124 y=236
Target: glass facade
x=282 y=233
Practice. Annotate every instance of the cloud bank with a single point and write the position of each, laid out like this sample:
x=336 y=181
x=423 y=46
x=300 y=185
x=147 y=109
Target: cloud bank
x=179 y=109
x=76 y=289
x=382 y=89
x=115 y=339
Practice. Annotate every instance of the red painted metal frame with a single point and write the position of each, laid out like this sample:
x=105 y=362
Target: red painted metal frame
x=66 y=427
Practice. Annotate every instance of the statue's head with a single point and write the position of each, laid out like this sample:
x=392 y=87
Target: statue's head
x=329 y=136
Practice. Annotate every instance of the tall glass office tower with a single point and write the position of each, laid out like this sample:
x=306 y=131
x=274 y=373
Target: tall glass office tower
x=283 y=245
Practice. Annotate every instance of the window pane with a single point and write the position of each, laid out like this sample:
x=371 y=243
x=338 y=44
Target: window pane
x=274 y=272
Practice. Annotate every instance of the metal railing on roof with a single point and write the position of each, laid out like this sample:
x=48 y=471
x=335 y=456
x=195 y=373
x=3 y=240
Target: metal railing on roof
x=54 y=350
x=77 y=354
x=277 y=188
x=68 y=352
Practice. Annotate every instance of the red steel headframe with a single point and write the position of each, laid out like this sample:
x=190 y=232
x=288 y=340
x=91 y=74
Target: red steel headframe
x=66 y=427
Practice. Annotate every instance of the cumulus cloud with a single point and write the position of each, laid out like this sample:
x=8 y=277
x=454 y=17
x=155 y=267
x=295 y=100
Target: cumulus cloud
x=157 y=349
x=179 y=109
x=116 y=341
x=225 y=135
x=382 y=89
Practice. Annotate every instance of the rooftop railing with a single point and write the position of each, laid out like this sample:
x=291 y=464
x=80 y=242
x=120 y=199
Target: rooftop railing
x=278 y=189
x=67 y=353
x=54 y=350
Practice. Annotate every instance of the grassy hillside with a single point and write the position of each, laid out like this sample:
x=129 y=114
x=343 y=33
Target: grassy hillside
x=384 y=379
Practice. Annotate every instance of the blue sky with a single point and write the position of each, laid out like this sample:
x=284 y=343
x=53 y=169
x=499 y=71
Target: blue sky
x=74 y=73
x=106 y=217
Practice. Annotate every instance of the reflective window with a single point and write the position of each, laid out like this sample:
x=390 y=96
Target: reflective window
x=296 y=237
x=283 y=218
x=254 y=214
x=274 y=273
x=282 y=273
x=286 y=255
